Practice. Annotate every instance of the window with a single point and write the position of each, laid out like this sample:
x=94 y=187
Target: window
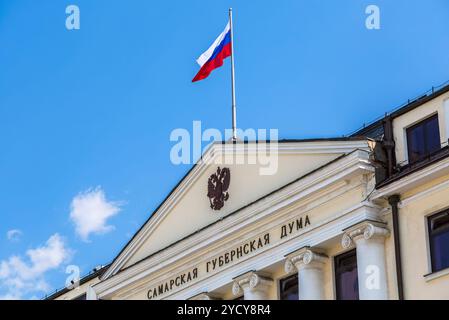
x=423 y=139
x=439 y=240
x=289 y=288
x=81 y=297
x=346 y=279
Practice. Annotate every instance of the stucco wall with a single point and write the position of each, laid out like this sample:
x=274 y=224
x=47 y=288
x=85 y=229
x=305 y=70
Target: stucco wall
x=414 y=238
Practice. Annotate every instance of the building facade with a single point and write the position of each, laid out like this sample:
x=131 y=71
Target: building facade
x=361 y=217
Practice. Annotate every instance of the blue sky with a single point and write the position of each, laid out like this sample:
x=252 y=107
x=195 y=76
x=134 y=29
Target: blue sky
x=86 y=115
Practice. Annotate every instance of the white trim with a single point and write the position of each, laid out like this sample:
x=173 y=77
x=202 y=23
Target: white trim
x=405 y=144
x=327 y=229
x=424 y=193
x=436 y=275
x=427 y=241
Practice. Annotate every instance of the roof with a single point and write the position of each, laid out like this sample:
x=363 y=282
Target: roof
x=91 y=275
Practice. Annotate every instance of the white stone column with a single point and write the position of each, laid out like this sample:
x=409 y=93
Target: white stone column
x=369 y=240
x=253 y=285
x=309 y=264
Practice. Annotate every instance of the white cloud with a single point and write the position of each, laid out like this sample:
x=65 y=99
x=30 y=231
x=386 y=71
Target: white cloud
x=90 y=211
x=19 y=276
x=9 y=296
x=14 y=235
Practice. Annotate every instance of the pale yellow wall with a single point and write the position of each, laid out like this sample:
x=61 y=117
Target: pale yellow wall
x=416 y=260
x=425 y=187
x=390 y=260
x=438 y=105
x=413 y=222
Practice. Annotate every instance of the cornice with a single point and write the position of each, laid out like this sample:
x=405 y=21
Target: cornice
x=326 y=230
x=438 y=169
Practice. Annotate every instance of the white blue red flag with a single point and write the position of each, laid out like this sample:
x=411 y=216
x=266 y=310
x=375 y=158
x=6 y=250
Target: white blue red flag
x=214 y=56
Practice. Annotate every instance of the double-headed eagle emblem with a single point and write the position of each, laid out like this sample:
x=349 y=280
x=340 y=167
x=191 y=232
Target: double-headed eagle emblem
x=217 y=188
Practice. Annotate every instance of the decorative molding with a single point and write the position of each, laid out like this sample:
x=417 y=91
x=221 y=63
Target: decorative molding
x=436 y=188
x=301 y=147
x=327 y=230
x=366 y=230
x=305 y=257
x=252 y=281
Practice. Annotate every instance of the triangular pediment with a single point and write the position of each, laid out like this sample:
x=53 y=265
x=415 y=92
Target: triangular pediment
x=193 y=204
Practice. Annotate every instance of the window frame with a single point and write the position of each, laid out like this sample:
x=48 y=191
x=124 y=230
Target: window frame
x=291 y=275
x=429 y=235
x=334 y=269
x=414 y=125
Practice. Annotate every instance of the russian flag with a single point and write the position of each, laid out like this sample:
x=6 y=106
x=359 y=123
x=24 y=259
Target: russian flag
x=214 y=56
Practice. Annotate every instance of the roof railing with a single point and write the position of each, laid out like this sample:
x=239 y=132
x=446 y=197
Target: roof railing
x=409 y=101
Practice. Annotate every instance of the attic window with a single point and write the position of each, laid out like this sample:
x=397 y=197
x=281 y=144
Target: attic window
x=423 y=139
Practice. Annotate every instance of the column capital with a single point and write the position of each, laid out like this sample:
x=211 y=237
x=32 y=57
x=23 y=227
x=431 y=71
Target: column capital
x=364 y=230
x=251 y=280
x=304 y=257
x=204 y=296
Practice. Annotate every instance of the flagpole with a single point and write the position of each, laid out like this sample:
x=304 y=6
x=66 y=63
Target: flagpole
x=234 y=121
